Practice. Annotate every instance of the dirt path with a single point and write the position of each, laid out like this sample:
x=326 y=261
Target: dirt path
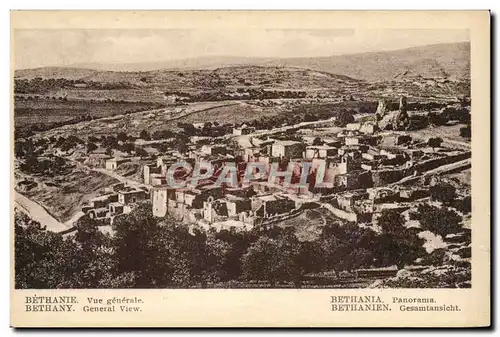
x=462 y=144
x=38 y=213
x=246 y=140
x=127 y=181
x=462 y=164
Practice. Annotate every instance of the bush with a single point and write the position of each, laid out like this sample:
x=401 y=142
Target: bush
x=438 y=220
x=443 y=192
x=435 y=142
x=465 y=132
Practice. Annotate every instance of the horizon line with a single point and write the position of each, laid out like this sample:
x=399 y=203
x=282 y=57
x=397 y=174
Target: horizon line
x=83 y=65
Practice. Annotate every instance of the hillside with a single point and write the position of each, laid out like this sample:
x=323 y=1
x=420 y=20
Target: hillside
x=204 y=79
x=450 y=60
x=442 y=60
x=55 y=72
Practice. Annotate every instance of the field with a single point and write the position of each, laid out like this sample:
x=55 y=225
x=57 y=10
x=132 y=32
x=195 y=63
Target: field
x=167 y=118
x=451 y=132
x=129 y=95
x=234 y=113
x=47 y=111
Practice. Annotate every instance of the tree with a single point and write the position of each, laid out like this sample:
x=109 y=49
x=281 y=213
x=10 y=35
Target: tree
x=465 y=132
x=464 y=205
x=238 y=243
x=30 y=164
x=133 y=251
x=181 y=146
x=145 y=135
x=391 y=222
x=443 y=192
x=46 y=260
x=344 y=118
x=273 y=259
x=91 y=257
x=141 y=152
x=110 y=142
x=437 y=118
x=38 y=257
x=216 y=258
x=312 y=257
x=438 y=220
x=128 y=147
x=157 y=253
x=346 y=247
x=91 y=147
x=122 y=137
x=435 y=142
x=317 y=141
x=397 y=244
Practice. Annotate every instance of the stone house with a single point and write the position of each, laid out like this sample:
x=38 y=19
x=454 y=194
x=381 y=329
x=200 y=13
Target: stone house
x=112 y=163
x=320 y=151
x=288 y=149
x=131 y=196
x=235 y=205
x=243 y=130
x=269 y=205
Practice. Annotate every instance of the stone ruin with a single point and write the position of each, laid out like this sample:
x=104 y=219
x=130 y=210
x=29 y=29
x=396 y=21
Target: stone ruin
x=381 y=108
x=395 y=120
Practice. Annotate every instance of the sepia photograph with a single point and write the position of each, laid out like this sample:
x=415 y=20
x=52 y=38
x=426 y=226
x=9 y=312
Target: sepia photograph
x=273 y=170
x=252 y=158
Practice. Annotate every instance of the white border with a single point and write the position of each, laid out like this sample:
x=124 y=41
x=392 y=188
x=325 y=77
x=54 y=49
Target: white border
x=185 y=4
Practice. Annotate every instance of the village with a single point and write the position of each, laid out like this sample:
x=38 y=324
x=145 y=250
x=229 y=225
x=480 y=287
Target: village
x=354 y=173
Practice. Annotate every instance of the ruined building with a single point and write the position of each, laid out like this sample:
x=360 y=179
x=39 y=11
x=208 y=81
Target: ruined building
x=401 y=120
x=381 y=108
x=395 y=120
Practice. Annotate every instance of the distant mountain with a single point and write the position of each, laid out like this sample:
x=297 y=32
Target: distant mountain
x=244 y=76
x=204 y=62
x=451 y=60
x=69 y=73
x=440 y=60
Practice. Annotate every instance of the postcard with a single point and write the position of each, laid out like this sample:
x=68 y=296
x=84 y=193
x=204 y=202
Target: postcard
x=250 y=169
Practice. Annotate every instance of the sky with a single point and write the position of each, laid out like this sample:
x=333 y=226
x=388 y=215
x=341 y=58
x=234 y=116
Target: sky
x=60 y=47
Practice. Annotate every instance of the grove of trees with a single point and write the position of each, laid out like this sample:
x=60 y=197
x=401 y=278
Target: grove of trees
x=439 y=220
x=150 y=252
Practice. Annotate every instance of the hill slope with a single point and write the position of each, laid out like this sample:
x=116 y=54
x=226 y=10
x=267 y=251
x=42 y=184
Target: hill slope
x=450 y=60
x=442 y=60
x=236 y=76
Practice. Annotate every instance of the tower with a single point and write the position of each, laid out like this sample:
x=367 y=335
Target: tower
x=402 y=104
x=382 y=107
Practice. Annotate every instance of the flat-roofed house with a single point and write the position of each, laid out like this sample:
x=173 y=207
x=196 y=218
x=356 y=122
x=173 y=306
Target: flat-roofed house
x=98 y=213
x=115 y=208
x=112 y=163
x=269 y=205
x=148 y=170
x=321 y=151
x=130 y=196
x=214 y=149
x=288 y=149
x=243 y=130
x=353 y=126
x=235 y=205
x=103 y=200
x=97 y=159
